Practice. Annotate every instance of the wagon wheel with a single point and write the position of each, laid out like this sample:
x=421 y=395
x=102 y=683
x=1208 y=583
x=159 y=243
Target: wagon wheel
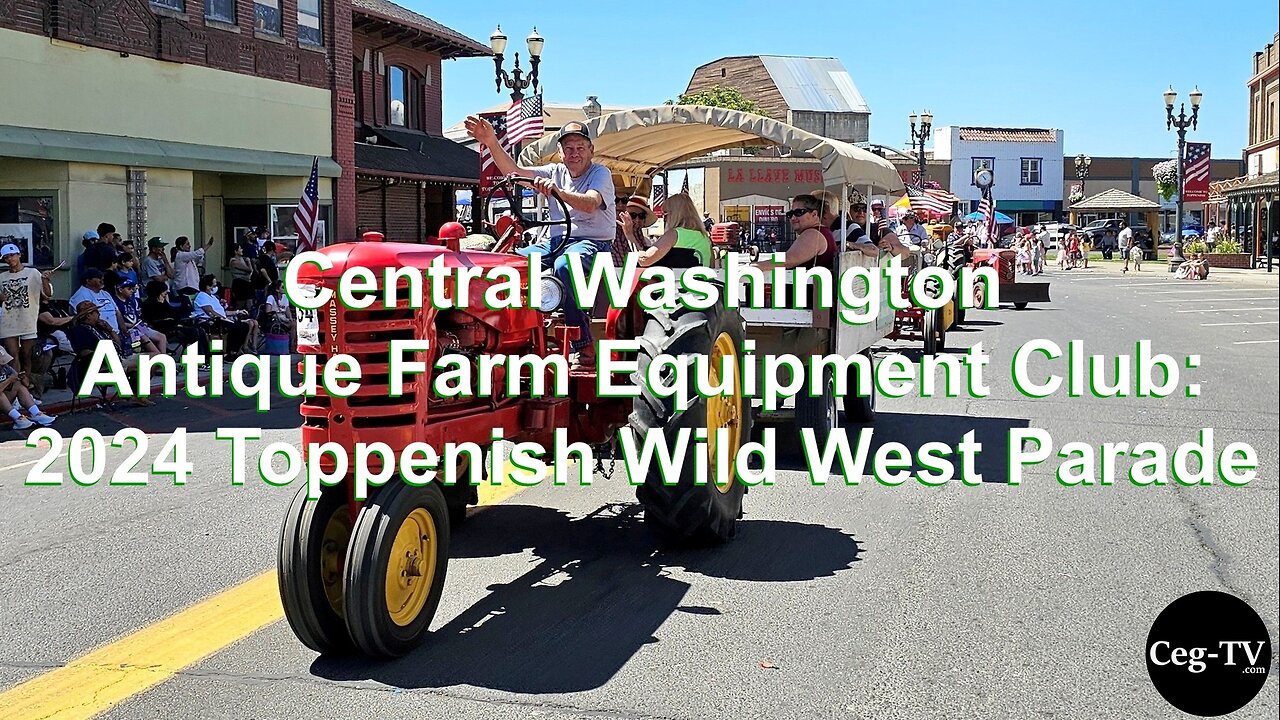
x=396 y=567
x=515 y=201
x=313 y=548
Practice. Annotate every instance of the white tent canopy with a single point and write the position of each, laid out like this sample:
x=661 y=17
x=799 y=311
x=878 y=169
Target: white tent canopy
x=638 y=143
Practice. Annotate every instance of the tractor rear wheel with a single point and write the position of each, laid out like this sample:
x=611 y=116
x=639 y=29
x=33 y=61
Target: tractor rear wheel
x=313 y=548
x=686 y=507
x=396 y=567
x=462 y=493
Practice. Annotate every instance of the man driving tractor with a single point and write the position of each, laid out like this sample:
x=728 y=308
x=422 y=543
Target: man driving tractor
x=587 y=188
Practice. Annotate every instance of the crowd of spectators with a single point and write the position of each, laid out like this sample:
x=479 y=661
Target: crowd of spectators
x=163 y=303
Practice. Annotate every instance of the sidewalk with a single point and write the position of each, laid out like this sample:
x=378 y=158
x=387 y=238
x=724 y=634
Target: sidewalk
x=1160 y=269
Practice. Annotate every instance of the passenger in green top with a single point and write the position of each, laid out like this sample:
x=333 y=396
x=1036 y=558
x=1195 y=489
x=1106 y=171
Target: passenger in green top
x=685 y=243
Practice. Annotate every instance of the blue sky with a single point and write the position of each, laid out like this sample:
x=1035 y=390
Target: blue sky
x=1095 y=69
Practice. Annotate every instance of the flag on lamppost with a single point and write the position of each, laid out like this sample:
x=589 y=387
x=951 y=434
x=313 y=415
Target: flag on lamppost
x=489 y=174
x=524 y=120
x=1196 y=172
x=308 y=212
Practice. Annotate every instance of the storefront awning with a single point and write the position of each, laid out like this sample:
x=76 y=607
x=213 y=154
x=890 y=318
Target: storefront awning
x=415 y=155
x=65 y=146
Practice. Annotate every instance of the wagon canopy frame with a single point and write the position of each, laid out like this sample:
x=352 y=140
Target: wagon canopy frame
x=636 y=144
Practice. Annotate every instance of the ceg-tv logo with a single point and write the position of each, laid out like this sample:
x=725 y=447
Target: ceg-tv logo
x=1208 y=653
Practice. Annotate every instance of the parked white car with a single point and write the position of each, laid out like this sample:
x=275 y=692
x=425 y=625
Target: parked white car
x=1058 y=232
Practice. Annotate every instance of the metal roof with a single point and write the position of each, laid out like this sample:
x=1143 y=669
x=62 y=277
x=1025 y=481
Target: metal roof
x=815 y=84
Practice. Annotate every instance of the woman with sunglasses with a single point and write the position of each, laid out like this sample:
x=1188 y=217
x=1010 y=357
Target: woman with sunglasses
x=814 y=244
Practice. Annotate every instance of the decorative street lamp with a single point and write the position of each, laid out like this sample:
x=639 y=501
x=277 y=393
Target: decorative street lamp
x=1082 y=170
x=517 y=82
x=918 y=138
x=1181 y=122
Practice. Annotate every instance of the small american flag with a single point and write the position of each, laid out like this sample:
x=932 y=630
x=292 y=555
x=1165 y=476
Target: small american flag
x=987 y=207
x=524 y=120
x=928 y=201
x=684 y=186
x=659 y=199
x=308 y=212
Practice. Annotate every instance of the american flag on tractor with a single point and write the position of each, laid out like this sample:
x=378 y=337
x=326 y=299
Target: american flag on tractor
x=488 y=169
x=987 y=208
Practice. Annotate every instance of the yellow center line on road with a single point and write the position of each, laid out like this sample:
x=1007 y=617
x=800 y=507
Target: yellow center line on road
x=105 y=677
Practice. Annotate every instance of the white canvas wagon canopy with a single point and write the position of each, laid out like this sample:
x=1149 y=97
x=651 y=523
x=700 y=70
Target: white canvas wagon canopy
x=636 y=144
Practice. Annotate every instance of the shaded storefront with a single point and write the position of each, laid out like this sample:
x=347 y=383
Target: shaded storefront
x=1250 y=209
x=406 y=181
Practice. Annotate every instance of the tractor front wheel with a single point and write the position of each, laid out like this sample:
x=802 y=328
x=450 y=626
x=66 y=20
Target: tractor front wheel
x=686 y=506
x=313 y=548
x=396 y=567
x=859 y=409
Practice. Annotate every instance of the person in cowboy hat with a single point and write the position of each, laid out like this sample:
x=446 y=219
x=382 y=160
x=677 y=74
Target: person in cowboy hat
x=635 y=216
x=586 y=188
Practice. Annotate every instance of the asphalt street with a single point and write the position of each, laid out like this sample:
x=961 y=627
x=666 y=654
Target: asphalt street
x=866 y=601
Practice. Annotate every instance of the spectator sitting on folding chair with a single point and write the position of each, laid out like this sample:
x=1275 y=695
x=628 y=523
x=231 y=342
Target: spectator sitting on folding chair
x=174 y=321
x=242 y=332
x=276 y=314
x=90 y=331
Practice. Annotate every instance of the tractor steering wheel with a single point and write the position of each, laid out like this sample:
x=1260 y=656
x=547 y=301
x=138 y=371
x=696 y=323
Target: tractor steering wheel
x=508 y=188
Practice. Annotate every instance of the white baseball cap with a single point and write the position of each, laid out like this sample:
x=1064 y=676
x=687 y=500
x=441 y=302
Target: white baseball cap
x=10 y=249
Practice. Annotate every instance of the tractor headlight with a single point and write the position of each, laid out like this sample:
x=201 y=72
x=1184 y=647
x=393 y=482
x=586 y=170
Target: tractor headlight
x=552 y=295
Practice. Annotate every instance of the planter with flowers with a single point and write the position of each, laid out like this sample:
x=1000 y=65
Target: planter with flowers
x=1166 y=177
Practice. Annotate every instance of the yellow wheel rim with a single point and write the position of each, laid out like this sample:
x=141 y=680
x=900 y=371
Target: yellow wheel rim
x=724 y=411
x=333 y=553
x=412 y=567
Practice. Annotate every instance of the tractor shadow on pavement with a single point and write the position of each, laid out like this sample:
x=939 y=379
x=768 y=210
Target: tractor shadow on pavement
x=600 y=591
x=913 y=431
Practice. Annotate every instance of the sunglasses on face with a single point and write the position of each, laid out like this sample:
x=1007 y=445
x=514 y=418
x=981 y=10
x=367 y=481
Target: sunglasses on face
x=636 y=216
x=799 y=212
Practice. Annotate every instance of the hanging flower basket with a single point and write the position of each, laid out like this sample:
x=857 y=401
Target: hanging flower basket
x=1166 y=177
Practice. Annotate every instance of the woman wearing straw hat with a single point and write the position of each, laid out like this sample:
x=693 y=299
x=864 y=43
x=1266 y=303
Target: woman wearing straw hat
x=634 y=217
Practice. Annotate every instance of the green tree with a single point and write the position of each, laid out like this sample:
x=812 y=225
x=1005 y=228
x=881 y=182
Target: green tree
x=721 y=96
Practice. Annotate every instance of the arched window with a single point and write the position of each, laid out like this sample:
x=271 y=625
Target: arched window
x=404 y=97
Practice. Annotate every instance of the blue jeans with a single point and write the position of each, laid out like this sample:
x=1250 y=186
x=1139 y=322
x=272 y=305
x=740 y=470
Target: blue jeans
x=559 y=264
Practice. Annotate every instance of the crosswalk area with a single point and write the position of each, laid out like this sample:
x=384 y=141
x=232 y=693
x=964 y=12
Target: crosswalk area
x=1246 y=314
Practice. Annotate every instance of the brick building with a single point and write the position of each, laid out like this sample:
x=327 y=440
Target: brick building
x=402 y=173
x=177 y=117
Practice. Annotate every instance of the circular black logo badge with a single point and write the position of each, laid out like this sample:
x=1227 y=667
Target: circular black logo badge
x=1208 y=653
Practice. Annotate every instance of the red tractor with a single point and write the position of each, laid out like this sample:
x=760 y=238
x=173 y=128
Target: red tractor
x=368 y=575
x=1004 y=260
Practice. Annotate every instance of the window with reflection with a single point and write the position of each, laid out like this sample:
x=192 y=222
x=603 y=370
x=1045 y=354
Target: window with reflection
x=176 y=5
x=404 y=93
x=266 y=16
x=309 y=31
x=220 y=10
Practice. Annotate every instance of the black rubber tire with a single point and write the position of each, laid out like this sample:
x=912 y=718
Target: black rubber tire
x=301 y=573
x=959 y=313
x=859 y=410
x=820 y=412
x=686 y=510
x=369 y=621
x=929 y=328
x=1019 y=306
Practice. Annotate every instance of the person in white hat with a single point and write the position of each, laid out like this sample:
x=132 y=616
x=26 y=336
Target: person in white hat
x=21 y=288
